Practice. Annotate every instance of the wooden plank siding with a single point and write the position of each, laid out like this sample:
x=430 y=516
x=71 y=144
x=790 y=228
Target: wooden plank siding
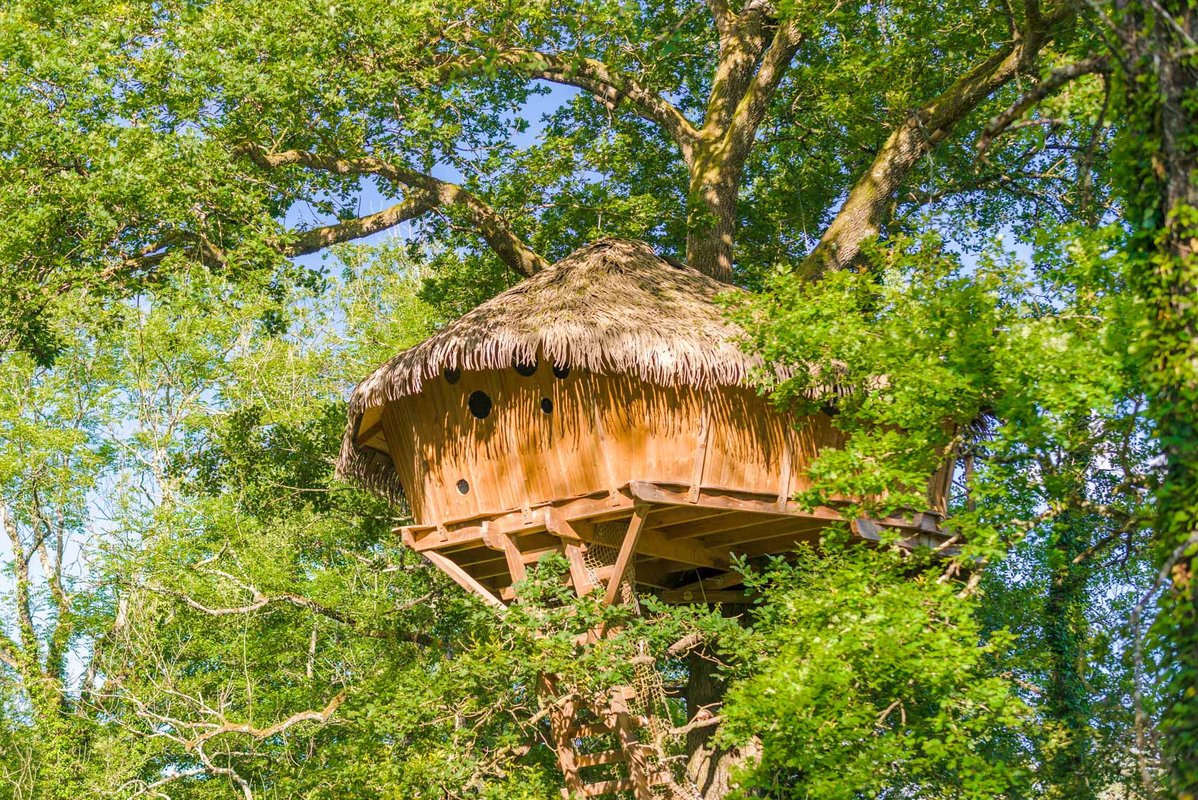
x=713 y=470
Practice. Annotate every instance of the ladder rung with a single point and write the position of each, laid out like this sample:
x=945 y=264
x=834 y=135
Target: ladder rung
x=533 y=556
x=607 y=787
x=595 y=759
x=589 y=729
x=624 y=692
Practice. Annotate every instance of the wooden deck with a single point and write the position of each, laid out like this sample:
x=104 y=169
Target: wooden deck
x=679 y=541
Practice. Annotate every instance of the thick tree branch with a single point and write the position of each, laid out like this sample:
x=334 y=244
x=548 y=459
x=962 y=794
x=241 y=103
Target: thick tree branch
x=60 y=636
x=1054 y=81
x=864 y=211
x=22 y=596
x=752 y=107
x=152 y=788
x=321 y=717
x=146 y=260
x=493 y=228
x=259 y=600
x=741 y=45
x=608 y=86
x=722 y=15
x=746 y=78
x=317 y=239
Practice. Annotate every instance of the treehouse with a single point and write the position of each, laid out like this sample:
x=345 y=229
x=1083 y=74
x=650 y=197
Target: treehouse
x=603 y=410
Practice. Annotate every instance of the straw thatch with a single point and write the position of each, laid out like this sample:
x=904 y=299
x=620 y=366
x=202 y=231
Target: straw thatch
x=613 y=307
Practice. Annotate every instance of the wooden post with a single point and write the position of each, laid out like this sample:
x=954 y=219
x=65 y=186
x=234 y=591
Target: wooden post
x=513 y=556
x=627 y=553
x=700 y=459
x=634 y=751
x=463 y=578
x=562 y=721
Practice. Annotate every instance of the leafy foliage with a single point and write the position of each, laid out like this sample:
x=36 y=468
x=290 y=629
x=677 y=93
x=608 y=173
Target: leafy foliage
x=193 y=607
x=874 y=677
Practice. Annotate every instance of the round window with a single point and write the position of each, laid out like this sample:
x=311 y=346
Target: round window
x=479 y=404
x=525 y=368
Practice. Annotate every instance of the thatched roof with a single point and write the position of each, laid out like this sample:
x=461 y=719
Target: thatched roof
x=613 y=306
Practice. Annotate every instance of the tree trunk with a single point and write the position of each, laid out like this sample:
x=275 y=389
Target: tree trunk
x=711 y=216
x=708 y=766
x=1161 y=190
x=1065 y=632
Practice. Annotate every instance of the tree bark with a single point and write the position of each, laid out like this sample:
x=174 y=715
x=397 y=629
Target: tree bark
x=711 y=217
x=1066 y=700
x=425 y=193
x=708 y=766
x=865 y=209
x=1160 y=52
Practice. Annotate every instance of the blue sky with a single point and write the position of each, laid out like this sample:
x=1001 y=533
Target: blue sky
x=371 y=200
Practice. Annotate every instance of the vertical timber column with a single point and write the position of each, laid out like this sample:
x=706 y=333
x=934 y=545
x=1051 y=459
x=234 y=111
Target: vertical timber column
x=582 y=727
x=563 y=725
x=639 y=771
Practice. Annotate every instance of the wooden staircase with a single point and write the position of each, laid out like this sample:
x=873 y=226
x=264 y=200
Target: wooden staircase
x=598 y=748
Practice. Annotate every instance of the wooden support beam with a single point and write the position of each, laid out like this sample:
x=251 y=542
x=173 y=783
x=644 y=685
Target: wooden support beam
x=588 y=729
x=724 y=580
x=634 y=752
x=799 y=527
x=463 y=578
x=533 y=556
x=700 y=458
x=363 y=438
x=786 y=472
x=513 y=557
x=772 y=546
x=610 y=787
x=658 y=573
x=551 y=516
x=730 y=521
x=653 y=543
x=583 y=760
x=710 y=590
x=664 y=516
x=470 y=556
x=578 y=570
x=737 y=597
x=762 y=503
x=716 y=497
x=626 y=555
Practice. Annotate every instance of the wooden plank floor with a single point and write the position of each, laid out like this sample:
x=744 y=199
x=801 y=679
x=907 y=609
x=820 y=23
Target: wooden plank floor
x=684 y=549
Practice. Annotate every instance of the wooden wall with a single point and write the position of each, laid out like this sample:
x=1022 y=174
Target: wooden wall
x=549 y=437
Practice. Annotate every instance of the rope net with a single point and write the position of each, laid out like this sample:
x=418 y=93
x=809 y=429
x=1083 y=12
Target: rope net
x=649 y=699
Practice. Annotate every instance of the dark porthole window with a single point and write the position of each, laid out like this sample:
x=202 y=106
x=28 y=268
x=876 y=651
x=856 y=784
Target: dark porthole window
x=453 y=375
x=463 y=486
x=479 y=404
x=525 y=368
x=546 y=405
x=560 y=371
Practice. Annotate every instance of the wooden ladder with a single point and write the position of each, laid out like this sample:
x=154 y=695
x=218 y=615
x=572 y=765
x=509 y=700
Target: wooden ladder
x=607 y=737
